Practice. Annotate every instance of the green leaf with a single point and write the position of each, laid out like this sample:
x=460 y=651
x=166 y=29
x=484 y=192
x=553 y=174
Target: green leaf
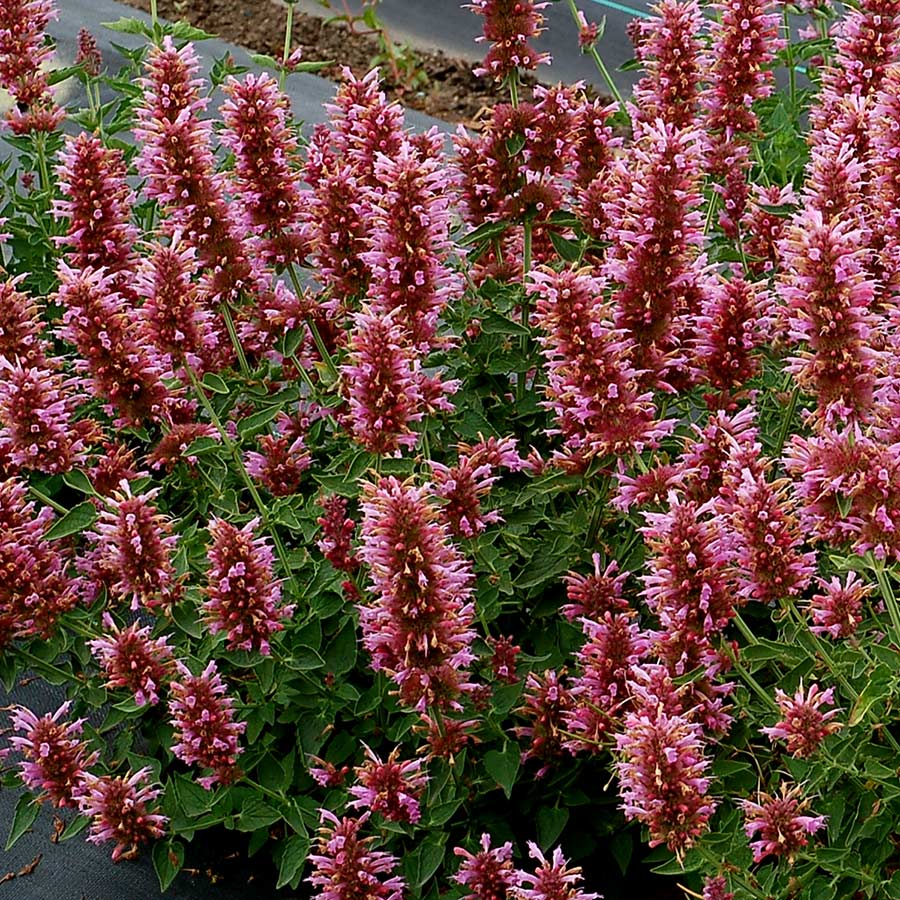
x=129 y=26
x=622 y=847
x=291 y=860
x=494 y=323
x=27 y=810
x=184 y=31
x=263 y=59
x=193 y=799
x=305 y=659
x=74 y=521
x=484 y=232
x=568 y=249
x=168 y=858
x=257 y=813
x=214 y=383
x=79 y=481
x=340 y=655
x=423 y=862
x=879 y=687
x=503 y=766
x=550 y=823
x=74 y=828
x=258 y=420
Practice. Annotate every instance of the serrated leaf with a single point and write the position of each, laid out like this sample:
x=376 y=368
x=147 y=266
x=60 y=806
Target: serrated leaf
x=503 y=767
x=484 y=232
x=27 y=810
x=257 y=813
x=76 y=520
x=258 y=420
x=168 y=858
x=77 y=480
x=129 y=26
x=292 y=859
x=340 y=654
x=214 y=383
x=423 y=862
x=494 y=323
x=193 y=799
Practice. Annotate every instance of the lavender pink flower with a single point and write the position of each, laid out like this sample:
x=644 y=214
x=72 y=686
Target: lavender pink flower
x=345 y=867
x=780 y=824
x=390 y=787
x=418 y=627
x=338 y=531
x=121 y=811
x=716 y=888
x=552 y=879
x=20 y=325
x=510 y=26
x=133 y=660
x=243 y=598
x=836 y=609
x=487 y=874
x=547 y=701
x=206 y=733
x=55 y=758
x=592 y=596
x=804 y=722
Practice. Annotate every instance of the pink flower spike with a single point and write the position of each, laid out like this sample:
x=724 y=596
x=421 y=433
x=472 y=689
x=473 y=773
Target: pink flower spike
x=552 y=879
x=392 y=788
x=837 y=608
x=243 y=597
x=779 y=824
x=345 y=867
x=132 y=660
x=804 y=723
x=119 y=808
x=487 y=874
x=205 y=731
x=509 y=26
x=55 y=758
x=716 y=888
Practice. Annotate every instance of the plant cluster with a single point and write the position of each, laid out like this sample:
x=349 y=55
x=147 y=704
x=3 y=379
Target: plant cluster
x=454 y=516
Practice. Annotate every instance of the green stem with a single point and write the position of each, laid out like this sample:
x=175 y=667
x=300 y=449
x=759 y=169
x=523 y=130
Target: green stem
x=887 y=594
x=744 y=629
x=154 y=16
x=314 y=331
x=48 y=501
x=792 y=74
x=786 y=422
x=513 y=80
x=598 y=61
x=235 y=340
x=526 y=308
x=245 y=476
x=288 y=37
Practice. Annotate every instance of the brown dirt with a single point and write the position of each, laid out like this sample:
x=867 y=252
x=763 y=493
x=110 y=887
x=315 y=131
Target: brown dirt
x=441 y=86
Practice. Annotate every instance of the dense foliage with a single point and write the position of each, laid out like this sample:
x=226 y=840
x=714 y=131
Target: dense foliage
x=420 y=507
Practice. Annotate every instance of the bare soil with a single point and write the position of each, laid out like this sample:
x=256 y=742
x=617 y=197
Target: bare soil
x=438 y=84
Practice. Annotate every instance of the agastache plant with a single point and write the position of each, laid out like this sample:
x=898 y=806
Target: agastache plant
x=451 y=516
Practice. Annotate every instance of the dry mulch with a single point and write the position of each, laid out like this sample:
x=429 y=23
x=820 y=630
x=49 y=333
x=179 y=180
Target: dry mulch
x=448 y=91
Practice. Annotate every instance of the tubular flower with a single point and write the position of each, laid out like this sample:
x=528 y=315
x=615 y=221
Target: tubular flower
x=242 y=595
x=97 y=204
x=828 y=296
x=745 y=40
x=509 y=27
x=779 y=824
x=445 y=738
x=120 y=811
x=649 y=488
x=614 y=645
x=716 y=888
x=686 y=588
x=765 y=540
x=419 y=626
x=37 y=410
x=503 y=658
x=283 y=459
x=203 y=717
x=662 y=780
x=761 y=228
x=114 y=464
x=487 y=874
x=593 y=163
x=885 y=167
x=836 y=180
x=88 y=55
x=132 y=660
x=804 y=723
x=20 y=325
x=866 y=45
x=125 y=372
x=177 y=160
x=133 y=550
x=655 y=261
x=669 y=47
x=547 y=701
x=593 y=388
x=34 y=586
x=552 y=140
x=364 y=125
x=55 y=759
x=386 y=387
x=552 y=879
x=849 y=488
x=462 y=486
x=174 y=316
x=257 y=132
x=732 y=325
x=592 y=596
x=409 y=229
x=338 y=529
x=345 y=867
x=23 y=55
x=391 y=788
x=837 y=609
